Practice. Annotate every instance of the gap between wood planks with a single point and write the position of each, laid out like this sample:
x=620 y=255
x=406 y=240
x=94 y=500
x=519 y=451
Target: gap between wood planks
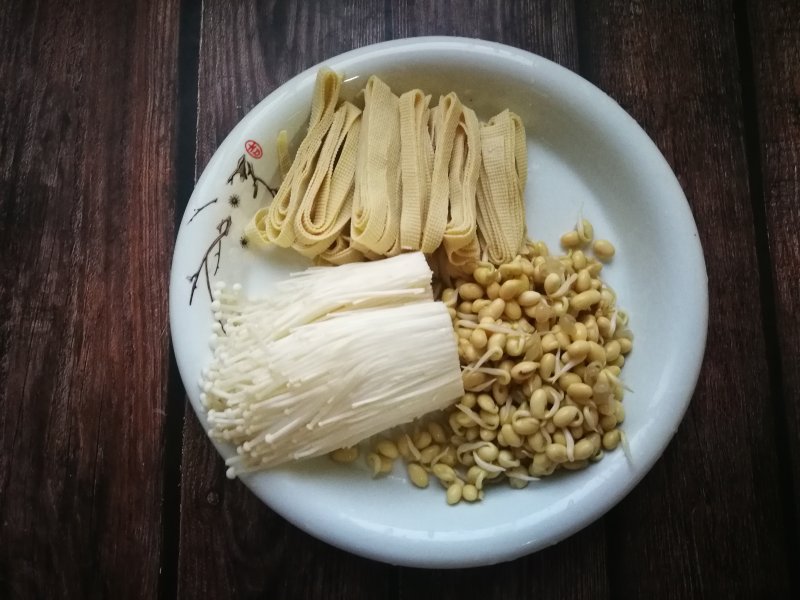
x=185 y=163
x=752 y=147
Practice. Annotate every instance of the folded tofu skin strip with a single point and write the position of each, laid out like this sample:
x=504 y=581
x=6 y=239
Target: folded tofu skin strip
x=276 y=223
x=398 y=175
x=461 y=234
x=416 y=166
x=375 y=226
x=504 y=168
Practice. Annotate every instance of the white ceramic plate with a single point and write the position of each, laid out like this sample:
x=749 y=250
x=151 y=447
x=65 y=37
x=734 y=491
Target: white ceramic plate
x=586 y=155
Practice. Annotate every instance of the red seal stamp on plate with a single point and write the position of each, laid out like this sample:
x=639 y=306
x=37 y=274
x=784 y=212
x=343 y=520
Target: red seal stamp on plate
x=253 y=148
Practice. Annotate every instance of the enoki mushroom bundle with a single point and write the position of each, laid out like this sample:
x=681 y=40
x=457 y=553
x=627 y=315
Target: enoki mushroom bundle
x=336 y=355
x=397 y=176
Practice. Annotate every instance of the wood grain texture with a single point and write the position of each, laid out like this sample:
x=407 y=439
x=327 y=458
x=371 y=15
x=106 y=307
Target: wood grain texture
x=775 y=34
x=86 y=112
x=707 y=520
x=546 y=27
x=573 y=568
x=230 y=544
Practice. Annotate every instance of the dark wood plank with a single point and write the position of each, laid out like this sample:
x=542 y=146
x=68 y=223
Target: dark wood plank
x=775 y=34
x=546 y=27
x=573 y=568
x=86 y=122
x=230 y=544
x=708 y=519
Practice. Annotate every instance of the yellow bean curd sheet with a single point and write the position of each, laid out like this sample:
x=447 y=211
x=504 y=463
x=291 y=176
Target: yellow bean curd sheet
x=398 y=175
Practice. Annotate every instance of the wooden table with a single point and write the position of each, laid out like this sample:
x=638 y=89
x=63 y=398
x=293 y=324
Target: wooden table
x=108 y=113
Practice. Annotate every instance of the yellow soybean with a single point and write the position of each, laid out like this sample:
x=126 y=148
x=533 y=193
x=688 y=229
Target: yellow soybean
x=556 y=453
x=585 y=299
x=345 y=455
x=417 y=475
x=470 y=291
x=565 y=416
x=387 y=448
x=454 y=493
x=603 y=249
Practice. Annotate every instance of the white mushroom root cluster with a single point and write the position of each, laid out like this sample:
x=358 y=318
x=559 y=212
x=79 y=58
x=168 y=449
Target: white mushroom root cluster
x=333 y=357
